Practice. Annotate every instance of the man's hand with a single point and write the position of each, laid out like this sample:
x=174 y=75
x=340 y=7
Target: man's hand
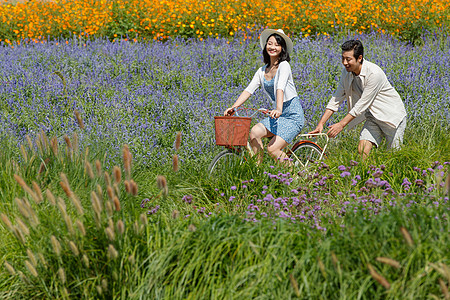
x=318 y=129
x=334 y=130
x=274 y=114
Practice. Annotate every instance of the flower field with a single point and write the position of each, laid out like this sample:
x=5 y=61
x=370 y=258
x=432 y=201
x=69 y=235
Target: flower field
x=106 y=141
x=202 y=19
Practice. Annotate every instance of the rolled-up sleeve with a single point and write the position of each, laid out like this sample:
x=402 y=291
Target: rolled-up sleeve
x=375 y=82
x=338 y=96
x=255 y=83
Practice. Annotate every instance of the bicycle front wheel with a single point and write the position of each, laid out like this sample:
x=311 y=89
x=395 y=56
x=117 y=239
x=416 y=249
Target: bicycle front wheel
x=224 y=162
x=306 y=153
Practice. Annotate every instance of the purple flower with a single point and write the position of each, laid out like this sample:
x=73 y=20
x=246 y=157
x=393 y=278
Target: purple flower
x=345 y=174
x=342 y=168
x=233 y=188
x=187 y=199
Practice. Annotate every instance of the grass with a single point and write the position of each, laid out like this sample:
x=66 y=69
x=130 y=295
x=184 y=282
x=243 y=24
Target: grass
x=143 y=230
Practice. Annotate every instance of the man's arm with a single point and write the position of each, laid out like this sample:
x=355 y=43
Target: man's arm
x=338 y=127
x=326 y=115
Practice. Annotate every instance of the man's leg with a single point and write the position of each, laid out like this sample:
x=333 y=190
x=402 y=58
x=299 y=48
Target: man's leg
x=364 y=148
x=394 y=136
x=370 y=136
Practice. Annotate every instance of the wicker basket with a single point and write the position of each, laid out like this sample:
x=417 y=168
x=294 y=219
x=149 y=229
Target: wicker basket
x=232 y=131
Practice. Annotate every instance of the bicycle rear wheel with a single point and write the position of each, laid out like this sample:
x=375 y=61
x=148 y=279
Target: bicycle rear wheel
x=305 y=153
x=225 y=161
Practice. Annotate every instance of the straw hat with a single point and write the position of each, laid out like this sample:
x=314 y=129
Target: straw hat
x=268 y=32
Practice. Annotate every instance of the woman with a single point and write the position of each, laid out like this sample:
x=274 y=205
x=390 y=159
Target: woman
x=286 y=120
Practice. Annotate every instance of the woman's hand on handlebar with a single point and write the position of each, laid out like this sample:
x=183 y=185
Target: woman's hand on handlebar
x=274 y=114
x=229 y=112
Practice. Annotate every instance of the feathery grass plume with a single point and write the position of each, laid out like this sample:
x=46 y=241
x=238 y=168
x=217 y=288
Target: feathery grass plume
x=99 y=192
x=117 y=174
x=68 y=142
x=144 y=219
x=56 y=245
x=116 y=203
x=120 y=227
x=22 y=209
x=137 y=227
x=322 y=267
x=127 y=186
x=110 y=233
x=107 y=178
x=381 y=280
x=26 y=188
x=112 y=252
x=178 y=141
x=44 y=140
x=105 y=285
x=19 y=234
x=294 y=284
x=24 y=153
x=442 y=269
x=79 y=119
x=6 y=221
x=85 y=260
x=88 y=168
x=131 y=259
x=22 y=227
x=127 y=160
x=31 y=269
x=407 y=236
x=192 y=227
x=389 y=261
x=33 y=218
x=41 y=168
x=10 y=268
x=99 y=290
x=334 y=260
x=32 y=258
x=98 y=167
x=62 y=275
x=134 y=187
x=30 y=143
x=37 y=191
x=161 y=182
x=81 y=228
x=109 y=209
x=50 y=197
x=175 y=214
x=43 y=260
x=74 y=248
x=110 y=192
x=61 y=206
x=39 y=145
x=96 y=204
x=444 y=289
x=75 y=141
x=77 y=203
x=69 y=224
x=175 y=163
x=54 y=145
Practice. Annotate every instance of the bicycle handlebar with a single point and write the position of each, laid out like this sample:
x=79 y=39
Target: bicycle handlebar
x=235 y=110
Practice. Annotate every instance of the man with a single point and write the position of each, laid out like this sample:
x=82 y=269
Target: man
x=369 y=96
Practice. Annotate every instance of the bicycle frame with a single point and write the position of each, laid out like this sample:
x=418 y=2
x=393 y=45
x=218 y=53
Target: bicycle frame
x=290 y=149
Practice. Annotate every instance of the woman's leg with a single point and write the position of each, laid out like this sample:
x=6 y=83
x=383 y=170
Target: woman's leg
x=258 y=132
x=275 y=146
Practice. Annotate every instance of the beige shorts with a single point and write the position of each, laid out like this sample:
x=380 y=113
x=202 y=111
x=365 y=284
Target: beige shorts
x=374 y=130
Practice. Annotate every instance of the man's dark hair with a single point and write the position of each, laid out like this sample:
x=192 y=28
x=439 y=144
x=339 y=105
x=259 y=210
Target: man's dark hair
x=284 y=56
x=355 y=45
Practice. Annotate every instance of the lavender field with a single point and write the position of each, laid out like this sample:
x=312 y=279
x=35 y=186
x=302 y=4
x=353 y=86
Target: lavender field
x=84 y=222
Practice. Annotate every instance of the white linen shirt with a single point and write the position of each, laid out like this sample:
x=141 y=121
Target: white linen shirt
x=378 y=96
x=283 y=81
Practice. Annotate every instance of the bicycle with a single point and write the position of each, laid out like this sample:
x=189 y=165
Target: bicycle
x=232 y=133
